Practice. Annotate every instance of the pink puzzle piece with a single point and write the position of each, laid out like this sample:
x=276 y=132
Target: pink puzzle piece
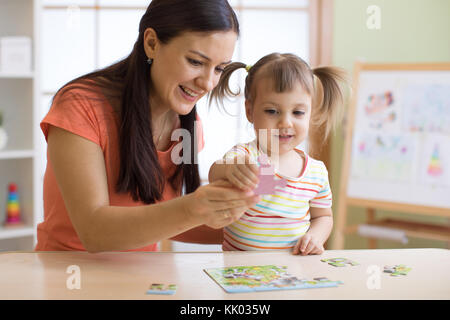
x=267 y=181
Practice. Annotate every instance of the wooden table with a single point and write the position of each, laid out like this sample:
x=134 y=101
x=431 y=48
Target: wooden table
x=43 y=275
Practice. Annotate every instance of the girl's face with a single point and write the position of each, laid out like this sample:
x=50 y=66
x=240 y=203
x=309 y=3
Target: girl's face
x=289 y=112
x=187 y=67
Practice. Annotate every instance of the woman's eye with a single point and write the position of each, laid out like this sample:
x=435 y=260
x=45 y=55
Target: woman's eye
x=219 y=70
x=194 y=62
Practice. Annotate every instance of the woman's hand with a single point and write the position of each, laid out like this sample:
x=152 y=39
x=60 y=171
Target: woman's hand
x=242 y=174
x=218 y=204
x=308 y=244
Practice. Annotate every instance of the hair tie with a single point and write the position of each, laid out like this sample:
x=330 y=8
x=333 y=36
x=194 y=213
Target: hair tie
x=248 y=67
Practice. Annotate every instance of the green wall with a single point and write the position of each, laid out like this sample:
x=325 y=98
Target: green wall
x=411 y=31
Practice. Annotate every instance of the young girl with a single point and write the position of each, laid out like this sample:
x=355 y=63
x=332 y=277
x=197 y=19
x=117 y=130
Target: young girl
x=281 y=99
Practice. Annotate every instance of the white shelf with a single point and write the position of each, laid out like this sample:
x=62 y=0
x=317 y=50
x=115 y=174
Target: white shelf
x=16 y=154
x=27 y=75
x=16 y=232
x=19 y=102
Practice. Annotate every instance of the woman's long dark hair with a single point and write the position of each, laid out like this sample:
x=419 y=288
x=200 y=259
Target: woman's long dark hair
x=128 y=81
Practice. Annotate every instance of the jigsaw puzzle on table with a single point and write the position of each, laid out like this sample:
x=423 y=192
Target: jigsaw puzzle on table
x=340 y=262
x=263 y=278
x=398 y=270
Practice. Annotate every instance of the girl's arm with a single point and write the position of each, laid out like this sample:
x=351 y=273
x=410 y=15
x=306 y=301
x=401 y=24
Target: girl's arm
x=79 y=169
x=321 y=223
x=319 y=231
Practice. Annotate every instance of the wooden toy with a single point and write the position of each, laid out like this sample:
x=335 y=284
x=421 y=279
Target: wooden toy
x=13 y=217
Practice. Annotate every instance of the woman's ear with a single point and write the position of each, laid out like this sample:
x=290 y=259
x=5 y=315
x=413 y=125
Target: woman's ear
x=151 y=42
x=249 y=110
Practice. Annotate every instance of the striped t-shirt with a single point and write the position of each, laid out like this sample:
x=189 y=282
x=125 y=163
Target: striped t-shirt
x=279 y=219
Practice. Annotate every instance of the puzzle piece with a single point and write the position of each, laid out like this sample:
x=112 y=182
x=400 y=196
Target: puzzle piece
x=268 y=184
x=158 y=288
x=340 y=262
x=397 y=270
x=267 y=180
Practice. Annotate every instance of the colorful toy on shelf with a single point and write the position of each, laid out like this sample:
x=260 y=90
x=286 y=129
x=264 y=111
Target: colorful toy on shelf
x=12 y=207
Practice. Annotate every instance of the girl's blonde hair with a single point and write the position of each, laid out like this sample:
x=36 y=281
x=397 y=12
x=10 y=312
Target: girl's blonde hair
x=286 y=70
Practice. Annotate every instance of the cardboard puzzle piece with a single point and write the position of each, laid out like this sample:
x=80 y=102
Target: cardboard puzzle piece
x=267 y=179
x=398 y=270
x=340 y=262
x=159 y=288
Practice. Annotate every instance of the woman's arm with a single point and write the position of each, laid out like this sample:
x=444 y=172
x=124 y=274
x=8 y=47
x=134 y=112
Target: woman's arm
x=81 y=176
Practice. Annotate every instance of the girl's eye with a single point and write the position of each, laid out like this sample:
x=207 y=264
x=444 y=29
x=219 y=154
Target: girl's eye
x=270 y=111
x=299 y=113
x=194 y=62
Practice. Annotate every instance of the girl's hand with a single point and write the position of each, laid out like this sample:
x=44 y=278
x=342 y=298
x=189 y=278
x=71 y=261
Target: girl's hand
x=242 y=174
x=308 y=244
x=218 y=204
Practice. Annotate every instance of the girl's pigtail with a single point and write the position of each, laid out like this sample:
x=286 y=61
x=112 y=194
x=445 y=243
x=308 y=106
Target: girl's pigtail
x=329 y=97
x=223 y=87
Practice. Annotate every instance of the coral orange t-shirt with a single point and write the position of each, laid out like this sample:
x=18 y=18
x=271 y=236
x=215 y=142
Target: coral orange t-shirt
x=90 y=115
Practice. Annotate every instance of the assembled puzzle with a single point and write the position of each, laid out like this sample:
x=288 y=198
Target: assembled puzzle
x=263 y=278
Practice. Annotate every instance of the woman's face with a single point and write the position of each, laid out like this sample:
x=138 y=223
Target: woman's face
x=187 y=67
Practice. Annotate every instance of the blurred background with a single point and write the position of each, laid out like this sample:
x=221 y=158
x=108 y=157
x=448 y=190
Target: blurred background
x=65 y=39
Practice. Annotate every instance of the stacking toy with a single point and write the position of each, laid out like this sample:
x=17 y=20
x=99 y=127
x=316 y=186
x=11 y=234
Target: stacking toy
x=12 y=207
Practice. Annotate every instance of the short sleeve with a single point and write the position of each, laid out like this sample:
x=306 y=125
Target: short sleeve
x=237 y=150
x=73 y=111
x=323 y=198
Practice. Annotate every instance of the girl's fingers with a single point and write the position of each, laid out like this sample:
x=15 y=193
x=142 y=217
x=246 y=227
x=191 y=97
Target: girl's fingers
x=236 y=181
x=255 y=170
x=304 y=243
x=309 y=248
x=246 y=177
x=296 y=249
x=251 y=172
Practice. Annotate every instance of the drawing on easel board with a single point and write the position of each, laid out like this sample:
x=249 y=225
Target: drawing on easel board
x=400 y=149
x=435 y=168
x=383 y=157
x=428 y=108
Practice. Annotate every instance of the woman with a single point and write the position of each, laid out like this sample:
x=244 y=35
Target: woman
x=108 y=185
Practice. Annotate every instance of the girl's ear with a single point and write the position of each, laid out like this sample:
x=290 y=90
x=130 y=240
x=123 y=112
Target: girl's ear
x=249 y=110
x=151 y=42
